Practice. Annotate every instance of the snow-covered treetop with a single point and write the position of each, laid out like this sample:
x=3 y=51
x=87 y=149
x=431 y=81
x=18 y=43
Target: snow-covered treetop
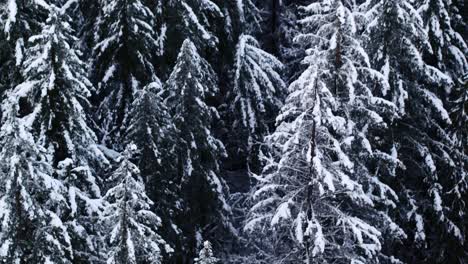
x=206 y=255
x=55 y=82
x=191 y=67
x=127 y=41
x=397 y=39
x=51 y=105
x=257 y=91
x=131 y=226
x=196 y=18
x=127 y=44
x=191 y=82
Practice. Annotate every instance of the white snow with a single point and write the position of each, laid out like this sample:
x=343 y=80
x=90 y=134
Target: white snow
x=12 y=10
x=282 y=212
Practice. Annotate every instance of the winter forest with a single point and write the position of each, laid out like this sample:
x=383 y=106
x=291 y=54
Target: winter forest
x=233 y=131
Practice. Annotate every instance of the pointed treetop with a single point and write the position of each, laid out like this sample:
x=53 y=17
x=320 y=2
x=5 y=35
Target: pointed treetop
x=206 y=255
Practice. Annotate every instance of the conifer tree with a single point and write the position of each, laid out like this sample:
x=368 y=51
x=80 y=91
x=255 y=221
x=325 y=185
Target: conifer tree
x=199 y=20
x=150 y=128
x=255 y=96
x=53 y=100
x=241 y=17
x=322 y=178
x=131 y=226
x=30 y=197
x=19 y=20
x=448 y=48
x=432 y=208
x=199 y=152
x=206 y=255
x=123 y=61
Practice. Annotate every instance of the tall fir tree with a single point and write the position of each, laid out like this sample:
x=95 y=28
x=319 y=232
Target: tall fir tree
x=199 y=20
x=19 y=20
x=150 y=128
x=255 y=98
x=127 y=44
x=30 y=197
x=321 y=195
x=53 y=100
x=432 y=208
x=448 y=48
x=203 y=190
x=131 y=226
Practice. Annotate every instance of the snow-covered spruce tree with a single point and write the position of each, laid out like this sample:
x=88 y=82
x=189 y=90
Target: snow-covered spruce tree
x=123 y=60
x=199 y=20
x=432 y=187
x=239 y=17
x=18 y=21
x=52 y=101
x=203 y=191
x=206 y=255
x=320 y=198
x=459 y=128
x=448 y=48
x=254 y=99
x=150 y=128
x=30 y=230
x=131 y=226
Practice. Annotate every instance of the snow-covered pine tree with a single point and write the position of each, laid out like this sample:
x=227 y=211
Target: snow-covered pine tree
x=206 y=255
x=123 y=61
x=150 y=128
x=254 y=99
x=321 y=197
x=131 y=226
x=432 y=187
x=30 y=197
x=52 y=101
x=199 y=152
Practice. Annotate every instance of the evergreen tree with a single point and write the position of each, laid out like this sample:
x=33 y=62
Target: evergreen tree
x=130 y=224
x=18 y=21
x=199 y=20
x=432 y=182
x=459 y=128
x=206 y=255
x=52 y=100
x=255 y=97
x=241 y=17
x=123 y=61
x=150 y=128
x=322 y=179
x=448 y=48
x=29 y=197
x=203 y=190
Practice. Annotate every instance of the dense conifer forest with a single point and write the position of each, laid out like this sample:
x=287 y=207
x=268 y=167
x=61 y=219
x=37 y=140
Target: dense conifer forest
x=233 y=131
